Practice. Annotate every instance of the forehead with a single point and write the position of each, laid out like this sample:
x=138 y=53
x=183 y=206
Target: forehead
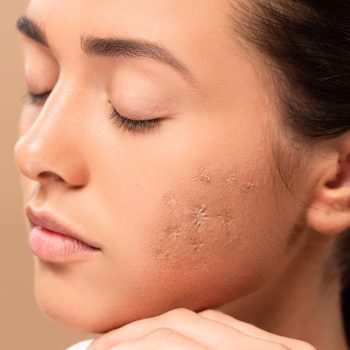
x=146 y=17
x=190 y=26
x=199 y=33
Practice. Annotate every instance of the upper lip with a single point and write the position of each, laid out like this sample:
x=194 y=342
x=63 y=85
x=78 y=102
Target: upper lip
x=49 y=222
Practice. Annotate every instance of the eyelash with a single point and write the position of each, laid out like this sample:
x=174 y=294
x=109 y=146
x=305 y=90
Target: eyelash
x=130 y=125
x=35 y=98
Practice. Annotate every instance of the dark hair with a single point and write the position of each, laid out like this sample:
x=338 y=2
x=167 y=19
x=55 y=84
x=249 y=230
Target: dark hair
x=307 y=46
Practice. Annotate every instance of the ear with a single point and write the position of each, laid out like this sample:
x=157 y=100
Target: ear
x=329 y=211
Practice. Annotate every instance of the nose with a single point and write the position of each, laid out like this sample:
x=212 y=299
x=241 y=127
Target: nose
x=50 y=150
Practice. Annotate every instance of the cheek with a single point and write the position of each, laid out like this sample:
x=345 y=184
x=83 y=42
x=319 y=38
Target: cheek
x=214 y=229
x=188 y=235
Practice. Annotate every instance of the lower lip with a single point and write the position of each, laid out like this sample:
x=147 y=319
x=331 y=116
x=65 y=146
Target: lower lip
x=55 y=247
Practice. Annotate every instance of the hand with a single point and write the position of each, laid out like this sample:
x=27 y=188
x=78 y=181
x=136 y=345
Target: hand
x=182 y=329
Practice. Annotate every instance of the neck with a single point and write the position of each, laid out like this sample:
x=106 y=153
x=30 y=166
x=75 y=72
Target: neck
x=298 y=304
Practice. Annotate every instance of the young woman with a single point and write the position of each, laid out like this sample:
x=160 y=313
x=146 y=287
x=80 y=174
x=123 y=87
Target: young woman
x=186 y=170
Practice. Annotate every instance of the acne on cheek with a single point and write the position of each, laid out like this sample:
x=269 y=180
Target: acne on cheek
x=201 y=217
x=244 y=186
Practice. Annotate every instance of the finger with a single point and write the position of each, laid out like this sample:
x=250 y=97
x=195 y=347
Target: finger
x=205 y=332
x=161 y=339
x=249 y=329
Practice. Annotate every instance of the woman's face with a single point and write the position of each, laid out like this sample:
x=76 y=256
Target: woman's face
x=190 y=213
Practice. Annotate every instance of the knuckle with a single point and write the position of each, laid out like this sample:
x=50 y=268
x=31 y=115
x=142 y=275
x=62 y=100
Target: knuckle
x=179 y=314
x=301 y=345
x=163 y=334
x=211 y=313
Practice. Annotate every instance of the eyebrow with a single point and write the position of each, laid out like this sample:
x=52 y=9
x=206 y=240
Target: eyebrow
x=110 y=47
x=31 y=30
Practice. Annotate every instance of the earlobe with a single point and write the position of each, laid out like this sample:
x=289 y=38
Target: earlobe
x=329 y=212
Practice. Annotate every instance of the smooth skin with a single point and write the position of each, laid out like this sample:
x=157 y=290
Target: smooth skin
x=193 y=215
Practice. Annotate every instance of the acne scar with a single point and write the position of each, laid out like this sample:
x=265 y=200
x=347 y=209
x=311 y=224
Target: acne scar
x=225 y=218
x=231 y=178
x=200 y=216
x=167 y=238
x=204 y=176
x=247 y=187
x=172 y=232
x=195 y=243
x=170 y=200
x=162 y=254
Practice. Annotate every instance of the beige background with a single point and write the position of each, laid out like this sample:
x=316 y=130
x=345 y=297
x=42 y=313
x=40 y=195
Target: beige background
x=23 y=326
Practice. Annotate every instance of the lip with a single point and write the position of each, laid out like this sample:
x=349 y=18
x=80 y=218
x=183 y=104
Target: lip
x=52 y=241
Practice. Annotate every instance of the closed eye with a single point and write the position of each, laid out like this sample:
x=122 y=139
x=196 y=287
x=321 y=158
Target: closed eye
x=135 y=126
x=130 y=125
x=36 y=98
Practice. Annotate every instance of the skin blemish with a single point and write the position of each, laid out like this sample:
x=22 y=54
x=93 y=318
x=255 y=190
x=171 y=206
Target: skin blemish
x=247 y=187
x=162 y=254
x=170 y=200
x=172 y=233
x=167 y=237
x=225 y=219
x=231 y=178
x=196 y=243
x=204 y=176
x=200 y=216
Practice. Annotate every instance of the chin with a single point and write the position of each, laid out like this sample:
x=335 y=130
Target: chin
x=102 y=312
x=82 y=299
x=88 y=315
x=96 y=316
x=88 y=312
x=83 y=318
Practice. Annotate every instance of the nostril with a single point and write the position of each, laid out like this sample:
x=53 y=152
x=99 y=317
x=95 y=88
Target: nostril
x=50 y=176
